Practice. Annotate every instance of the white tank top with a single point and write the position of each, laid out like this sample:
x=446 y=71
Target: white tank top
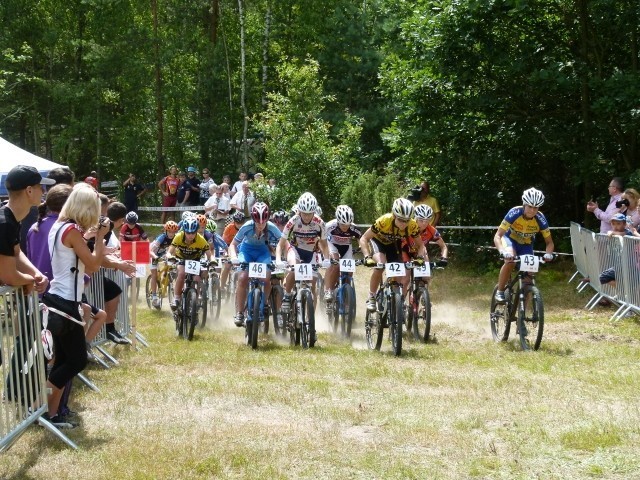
x=63 y=264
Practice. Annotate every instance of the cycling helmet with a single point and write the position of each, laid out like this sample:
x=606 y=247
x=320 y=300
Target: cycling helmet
x=344 y=215
x=171 y=226
x=294 y=210
x=307 y=203
x=211 y=226
x=532 y=197
x=260 y=212
x=202 y=220
x=280 y=217
x=190 y=225
x=186 y=214
x=402 y=208
x=319 y=211
x=238 y=217
x=132 y=217
x=423 y=212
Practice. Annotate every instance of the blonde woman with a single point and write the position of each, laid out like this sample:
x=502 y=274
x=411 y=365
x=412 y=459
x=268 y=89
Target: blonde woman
x=632 y=196
x=70 y=259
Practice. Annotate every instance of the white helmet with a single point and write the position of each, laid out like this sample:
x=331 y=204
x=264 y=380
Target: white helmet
x=186 y=214
x=424 y=212
x=532 y=197
x=344 y=215
x=307 y=203
x=319 y=211
x=402 y=208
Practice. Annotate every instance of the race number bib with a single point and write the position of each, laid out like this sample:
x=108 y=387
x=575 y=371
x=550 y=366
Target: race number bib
x=347 y=265
x=257 y=270
x=303 y=272
x=192 y=267
x=394 y=269
x=529 y=263
x=422 y=270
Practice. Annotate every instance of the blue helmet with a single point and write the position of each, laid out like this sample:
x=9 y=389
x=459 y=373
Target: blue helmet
x=190 y=225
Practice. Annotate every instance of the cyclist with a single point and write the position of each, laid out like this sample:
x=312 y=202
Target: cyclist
x=382 y=243
x=188 y=244
x=280 y=219
x=516 y=233
x=228 y=235
x=217 y=243
x=340 y=235
x=251 y=244
x=157 y=250
x=305 y=230
x=428 y=233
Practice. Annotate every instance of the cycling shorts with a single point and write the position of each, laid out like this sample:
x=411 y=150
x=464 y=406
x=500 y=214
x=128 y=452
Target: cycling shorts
x=518 y=248
x=303 y=256
x=391 y=251
x=259 y=254
x=344 y=251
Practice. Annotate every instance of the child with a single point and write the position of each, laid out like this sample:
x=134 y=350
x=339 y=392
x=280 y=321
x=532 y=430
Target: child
x=158 y=249
x=131 y=231
x=619 y=225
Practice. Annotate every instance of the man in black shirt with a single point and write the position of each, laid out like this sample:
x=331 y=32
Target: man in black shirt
x=194 y=185
x=132 y=192
x=24 y=185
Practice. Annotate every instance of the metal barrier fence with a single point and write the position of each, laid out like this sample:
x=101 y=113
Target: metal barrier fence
x=23 y=366
x=594 y=253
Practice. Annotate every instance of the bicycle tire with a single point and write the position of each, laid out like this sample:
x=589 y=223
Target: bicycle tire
x=147 y=289
x=396 y=320
x=422 y=319
x=348 y=310
x=204 y=299
x=215 y=301
x=304 y=331
x=191 y=314
x=499 y=319
x=531 y=319
x=278 y=319
x=170 y=292
x=373 y=330
x=252 y=327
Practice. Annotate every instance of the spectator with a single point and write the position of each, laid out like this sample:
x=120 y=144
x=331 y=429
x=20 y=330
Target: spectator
x=258 y=178
x=93 y=181
x=194 y=187
x=70 y=259
x=237 y=186
x=94 y=174
x=616 y=187
x=131 y=231
x=218 y=206
x=619 y=227
x=184 y=190
x=24 y=186
x=226 y=179
x=62 y=175
x=169 y=188
x=205 y=186
x=425 y=198
x=271 y=184
x=243 y=200
x=629 y=204
x=132 y=192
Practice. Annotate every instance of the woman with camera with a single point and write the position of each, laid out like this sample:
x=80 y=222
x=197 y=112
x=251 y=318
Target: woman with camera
x=629 y=204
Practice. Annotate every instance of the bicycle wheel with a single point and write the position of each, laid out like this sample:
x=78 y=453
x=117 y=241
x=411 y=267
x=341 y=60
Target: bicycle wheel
x=396 y=320
x=499 y=317
x=531 y=319
x=308 y=327
x=422 y=320
x=147 y=289
x=294 y=325
x=373 y=330
x=190 y=314
x=278 y=319
x=204 y=300
x=348 y=310
x=253 y=325
x=215 y=302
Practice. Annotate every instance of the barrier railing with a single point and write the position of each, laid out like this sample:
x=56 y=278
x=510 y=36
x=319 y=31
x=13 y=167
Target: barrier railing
x=595 y=253
x=23 y=366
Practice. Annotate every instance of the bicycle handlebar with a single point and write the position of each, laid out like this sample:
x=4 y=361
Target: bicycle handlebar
x=518 y=258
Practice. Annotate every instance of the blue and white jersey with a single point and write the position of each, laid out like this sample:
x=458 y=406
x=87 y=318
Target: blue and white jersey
x=247 y=235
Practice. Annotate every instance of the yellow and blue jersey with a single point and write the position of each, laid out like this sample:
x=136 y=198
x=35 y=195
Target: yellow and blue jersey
x=522 y=230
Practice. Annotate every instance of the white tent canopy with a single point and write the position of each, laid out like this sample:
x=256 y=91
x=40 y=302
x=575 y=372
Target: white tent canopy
x=10 y=156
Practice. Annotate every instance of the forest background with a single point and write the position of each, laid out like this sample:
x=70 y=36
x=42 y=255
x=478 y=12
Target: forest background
x=354 y=101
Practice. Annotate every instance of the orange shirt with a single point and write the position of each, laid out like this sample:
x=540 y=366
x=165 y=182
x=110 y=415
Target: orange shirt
x=230 y=232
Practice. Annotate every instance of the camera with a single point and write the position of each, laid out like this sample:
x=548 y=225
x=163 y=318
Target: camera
x=622 y=202
x=103 y=220
x=415 y=193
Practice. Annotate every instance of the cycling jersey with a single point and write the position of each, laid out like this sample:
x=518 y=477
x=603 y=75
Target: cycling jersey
x=194 y=251
x=305 y=236
x=385 y=231
x=430 y=233
x=522 y=230
x=161 y=242
x=247 y=235
x=230 y=232
x=340 y=239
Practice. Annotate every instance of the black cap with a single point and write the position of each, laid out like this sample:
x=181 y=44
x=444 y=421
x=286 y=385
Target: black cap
x=24 y=176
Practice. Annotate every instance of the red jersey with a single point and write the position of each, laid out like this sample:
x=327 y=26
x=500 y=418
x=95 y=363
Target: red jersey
x=171 y=184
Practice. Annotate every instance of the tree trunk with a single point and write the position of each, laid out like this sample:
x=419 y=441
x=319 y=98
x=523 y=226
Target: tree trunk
x=265 y=55
x=158 y=91
x=245 y=116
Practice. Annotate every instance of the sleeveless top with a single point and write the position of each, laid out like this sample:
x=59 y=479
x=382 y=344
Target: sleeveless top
x=63 y=264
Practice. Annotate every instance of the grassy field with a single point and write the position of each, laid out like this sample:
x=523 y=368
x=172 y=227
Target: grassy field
x=460 y=407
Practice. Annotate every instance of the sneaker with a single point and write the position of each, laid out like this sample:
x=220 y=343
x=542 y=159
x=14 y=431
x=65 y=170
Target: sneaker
x=155 y=301
x=118 y=339
x=286 y=303
x=238 y=319
x=371 y=304
x=59 y=422
x=174 y=305
x=500 y=298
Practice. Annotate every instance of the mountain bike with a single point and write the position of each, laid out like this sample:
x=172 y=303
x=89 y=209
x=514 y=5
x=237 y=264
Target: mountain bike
x=390 y=309
x=523 y=305
x=165 y=276
x=418 y=308
x=186 y=315
x=341 y=311
x=300 y=320
x=275 y=302
x=215 y=292
x=254 y=311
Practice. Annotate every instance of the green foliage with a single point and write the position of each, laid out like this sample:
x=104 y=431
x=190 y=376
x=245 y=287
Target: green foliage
x=371 y=195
